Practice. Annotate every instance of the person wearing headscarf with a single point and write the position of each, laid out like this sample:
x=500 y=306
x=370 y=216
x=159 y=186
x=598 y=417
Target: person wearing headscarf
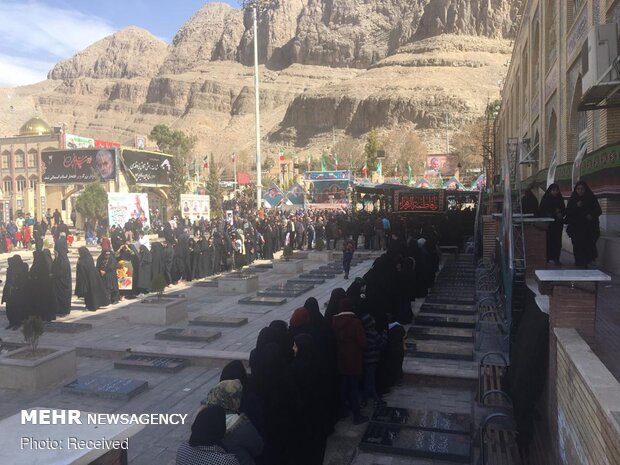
x=39 y=288
x=250 y=403
x=106 y=266
x=552 y=206
x=14 y=293
x=350 y=345
x=299 y=322
x=157 y=263
x=205 y=443
x=145 y=260
x=88 y=282
x=582 y=213
x=314 y=312
x=529 y=202
x=61 y=277
x=334 y=303
x=242 y=438
x=283 y=339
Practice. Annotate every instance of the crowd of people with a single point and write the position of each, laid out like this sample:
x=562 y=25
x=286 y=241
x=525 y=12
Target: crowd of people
x=316 y=369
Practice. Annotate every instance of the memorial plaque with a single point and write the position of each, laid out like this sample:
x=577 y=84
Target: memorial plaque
x=314 y=281
x=219 y=320
x=440 y=334
x=443 y=350
x=446 y=321
x=151 y=363
x=188 y=335
x=404 y=440
x=432 y=420
x=109 y=388
x=269 y=301
x=62 y=327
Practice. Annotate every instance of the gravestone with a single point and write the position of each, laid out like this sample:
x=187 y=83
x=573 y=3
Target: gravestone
x=109 y=388
x=314 y=281
x=188 y=335
x=62 y=327
x=219 y=320
x=211 y=283
x=432 y=420
x=151 y=363
x=404 y=440
x=440 y=334
x=269 y=301
x=322 y=274
x=286 y=290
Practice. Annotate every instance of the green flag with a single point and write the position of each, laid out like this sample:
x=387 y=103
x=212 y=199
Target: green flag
x=336 y=160
x=410 y=172
x=379 y=168
x=323 y=164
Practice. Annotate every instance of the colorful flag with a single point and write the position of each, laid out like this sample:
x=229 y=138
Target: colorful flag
x=396 y=169
x=365 y=169
x=336 y=160
x=410 y=172
x=323 y=163
x=379 y=168
x=309 y=163
x=281 y=154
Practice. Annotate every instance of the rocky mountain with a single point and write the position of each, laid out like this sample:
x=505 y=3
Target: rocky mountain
x=327 y=66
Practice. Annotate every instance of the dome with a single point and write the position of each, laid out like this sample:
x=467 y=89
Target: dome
x=35 y=127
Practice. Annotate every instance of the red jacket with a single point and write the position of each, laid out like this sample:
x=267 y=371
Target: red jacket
x=350 y=343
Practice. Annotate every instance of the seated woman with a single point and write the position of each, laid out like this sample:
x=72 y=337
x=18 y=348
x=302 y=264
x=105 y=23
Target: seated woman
x=242 y=438
x=205 y=443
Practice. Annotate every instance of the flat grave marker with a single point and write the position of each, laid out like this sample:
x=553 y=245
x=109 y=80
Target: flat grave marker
x=66 y=327
x=403 y=440
x=151 y=363
x=219 y=320
x=432 y=420
x=109 y=388
x=188 y=335
x=263 y=300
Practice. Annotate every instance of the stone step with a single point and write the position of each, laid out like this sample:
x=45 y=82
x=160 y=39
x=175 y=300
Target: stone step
x=423 y=333
x=446 y=350
x=430 y=319
x=445 y=310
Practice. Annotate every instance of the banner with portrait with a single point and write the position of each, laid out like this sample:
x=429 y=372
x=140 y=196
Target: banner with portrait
x=78 y=142
x=78 y=166
x=124 y=274
x=124 y=206
x=195 y=206
x=441 y=165
x=147 y=168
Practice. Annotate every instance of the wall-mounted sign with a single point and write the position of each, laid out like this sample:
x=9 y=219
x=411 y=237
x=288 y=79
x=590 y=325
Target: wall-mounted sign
x=147 y=168
x=79 y=166
x=430 y=201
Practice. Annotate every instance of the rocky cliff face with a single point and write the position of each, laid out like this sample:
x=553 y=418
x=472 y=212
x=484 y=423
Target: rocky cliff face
x=347 y=65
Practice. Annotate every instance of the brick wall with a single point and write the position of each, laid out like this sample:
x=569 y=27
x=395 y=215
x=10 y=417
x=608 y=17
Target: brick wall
x=573 y=307
x=586 y=393
x=535 y=249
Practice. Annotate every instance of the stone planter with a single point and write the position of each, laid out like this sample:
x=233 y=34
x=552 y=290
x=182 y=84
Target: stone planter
x=288 y=266
x=323 y=256
x=160 y=312
x=242 y=283
x=54 y=365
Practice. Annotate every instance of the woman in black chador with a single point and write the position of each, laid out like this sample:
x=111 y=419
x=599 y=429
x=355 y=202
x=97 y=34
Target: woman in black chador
x=106 y=266
x=88 y=282
x=61 y=277
x=582 y=214
x=39 y=288
x=14 y=292
x=145 y=260
x=552 y=206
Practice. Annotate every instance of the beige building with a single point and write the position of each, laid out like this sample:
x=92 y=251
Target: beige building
x=559 y=102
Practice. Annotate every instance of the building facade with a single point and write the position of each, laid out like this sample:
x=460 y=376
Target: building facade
x=561 y=136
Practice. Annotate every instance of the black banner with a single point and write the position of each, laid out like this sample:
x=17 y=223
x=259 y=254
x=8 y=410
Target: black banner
x=79 y=166
x=147 y=168
x=422 y=200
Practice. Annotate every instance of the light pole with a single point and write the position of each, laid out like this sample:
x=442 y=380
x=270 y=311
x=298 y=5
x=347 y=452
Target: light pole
x=254 y=5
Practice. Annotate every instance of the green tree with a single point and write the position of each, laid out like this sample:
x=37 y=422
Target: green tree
x=180 y=145
x=93 y=202
x=214 y=189
x=371 y=148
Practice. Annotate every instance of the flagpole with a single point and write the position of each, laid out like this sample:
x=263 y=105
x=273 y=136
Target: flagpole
x=235 y=168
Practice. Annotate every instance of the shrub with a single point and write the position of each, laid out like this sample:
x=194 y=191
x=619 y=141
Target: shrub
x=319 y=245
x=287 y=252
x=158 y=284
x=32 y=329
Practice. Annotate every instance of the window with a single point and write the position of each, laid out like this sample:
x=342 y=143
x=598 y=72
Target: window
x=21 y=184
x=6 y=160
x=32 y=158
x=33 y=182
x=20 y=159
x=8 y=186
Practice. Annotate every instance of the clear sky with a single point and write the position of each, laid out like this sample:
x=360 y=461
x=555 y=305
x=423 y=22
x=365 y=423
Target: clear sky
x=36 y=34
